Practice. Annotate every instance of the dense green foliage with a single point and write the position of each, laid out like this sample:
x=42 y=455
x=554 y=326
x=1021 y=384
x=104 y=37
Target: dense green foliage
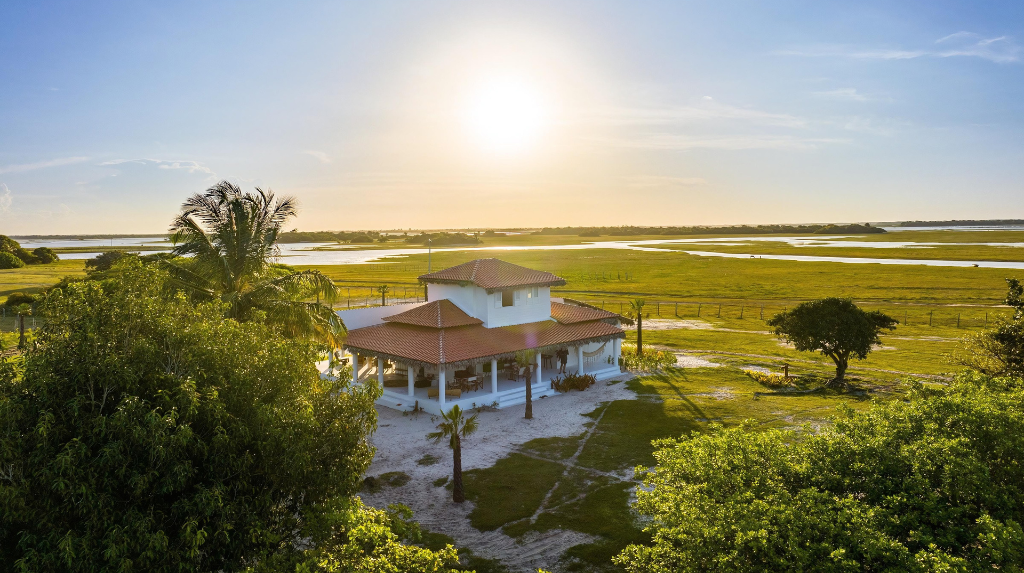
x=999 y=351
x=227 y=240
x=631 y=230
x=41 y=255
x=19 y=298
x=106 y=261
x=836 y=327
x=153 y=434
x=329 y=237
x=933 y=483
x=45 y=255
x=10 y=261
x=441 y=239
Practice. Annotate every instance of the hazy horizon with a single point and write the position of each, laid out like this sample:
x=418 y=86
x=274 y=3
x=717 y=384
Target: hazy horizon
x=456 y=115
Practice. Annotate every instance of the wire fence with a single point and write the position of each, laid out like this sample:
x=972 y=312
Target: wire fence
x=959 y=317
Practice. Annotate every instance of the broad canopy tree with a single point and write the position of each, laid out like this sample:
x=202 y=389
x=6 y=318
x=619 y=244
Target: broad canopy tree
x=153 y=434
x=926 y=484
x=836 y=327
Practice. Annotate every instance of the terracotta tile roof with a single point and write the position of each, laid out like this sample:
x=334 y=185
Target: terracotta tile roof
x=438 y=314
x=468 y=343
x=493 y=274
x=571 y=314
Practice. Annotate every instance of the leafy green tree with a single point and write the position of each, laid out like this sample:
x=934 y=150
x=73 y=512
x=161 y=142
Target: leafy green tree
x=998 y=351
x=106 y=261
x=930 y=483
x=45 y=255
x=454 y=426
x=836 y=327
x=383 y=291
x=19 y=298
x=230 y=239
x=151 y=434
x=10 y=261
x=636 y=312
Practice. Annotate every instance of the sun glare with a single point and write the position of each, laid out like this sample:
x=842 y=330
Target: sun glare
x=506 y=115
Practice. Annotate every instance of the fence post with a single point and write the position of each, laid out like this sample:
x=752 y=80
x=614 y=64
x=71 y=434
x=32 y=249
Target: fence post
x=986 y=318
x=958 y=320
x=905 y=318
x=677 y=310
x=741 y=311
x=762 y=312
x=930 y=317
x=698 y=310
x=657 y=307
x=719 y=310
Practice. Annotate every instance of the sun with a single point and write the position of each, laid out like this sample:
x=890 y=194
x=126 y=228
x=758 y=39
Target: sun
x=506 y=115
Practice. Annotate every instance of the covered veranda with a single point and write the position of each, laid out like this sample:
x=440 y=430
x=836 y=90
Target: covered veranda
x=494 y=380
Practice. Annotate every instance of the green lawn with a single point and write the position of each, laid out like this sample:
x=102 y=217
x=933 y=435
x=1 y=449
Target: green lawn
x=591 y=494
x=35 y=278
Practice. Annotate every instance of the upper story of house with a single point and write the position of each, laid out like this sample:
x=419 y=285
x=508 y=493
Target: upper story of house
x=494 y=291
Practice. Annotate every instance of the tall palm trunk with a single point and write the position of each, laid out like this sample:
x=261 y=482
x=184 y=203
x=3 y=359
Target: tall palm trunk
x=529 y=393
x=639 y=335
x=21 y=331
x=458 y=493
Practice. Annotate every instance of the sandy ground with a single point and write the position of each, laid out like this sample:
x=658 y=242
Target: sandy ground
x=401 y=441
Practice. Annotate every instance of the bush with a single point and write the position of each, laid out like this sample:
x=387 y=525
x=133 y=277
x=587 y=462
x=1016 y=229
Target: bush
x=573 y=381
x=45 y=255
x=931 y=483
x=769 y=379
x=106 y=261
x=9 y=261
x=651 y=361
x=155 y=435
x=20 y=298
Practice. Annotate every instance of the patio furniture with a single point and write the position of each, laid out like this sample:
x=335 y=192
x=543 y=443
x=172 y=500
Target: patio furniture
x=433 y=393
x=461 y=382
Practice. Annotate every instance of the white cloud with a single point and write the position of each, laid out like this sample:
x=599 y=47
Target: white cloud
x=657 y=181
x=1000 y=49
x=728 y=142
x=707 y=110
x=845 y=94
x=190 y=166
x=319 y=156
x=41 y=164
x=5 y=199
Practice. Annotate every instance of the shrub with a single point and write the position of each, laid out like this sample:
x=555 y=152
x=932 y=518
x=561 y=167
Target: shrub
x=652 y=360
x=19 y=298
x=45 y=255
x=105 y=261
x=9 y=261
x=573 y=381
x=769 y=379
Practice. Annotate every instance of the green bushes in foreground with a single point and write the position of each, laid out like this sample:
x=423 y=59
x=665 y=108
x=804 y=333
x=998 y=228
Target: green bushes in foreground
x=147 y=433
x=933 y=483
x=651 y=361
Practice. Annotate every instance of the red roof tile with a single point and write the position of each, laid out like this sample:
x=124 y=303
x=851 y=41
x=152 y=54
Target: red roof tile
x=493 y=274
x=571 y=314
x=467 y=343
x=438 y=314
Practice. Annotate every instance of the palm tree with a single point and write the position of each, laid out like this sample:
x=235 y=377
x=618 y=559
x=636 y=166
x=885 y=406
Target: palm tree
x=230 y=240
x=383 y=290
x=636 y=311
x=455 y=426
x=525 y=359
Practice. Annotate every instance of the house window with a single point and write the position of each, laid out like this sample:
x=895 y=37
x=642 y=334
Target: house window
x=508 y=298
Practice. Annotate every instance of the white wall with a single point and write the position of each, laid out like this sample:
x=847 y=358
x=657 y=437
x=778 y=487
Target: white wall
x=372 y=315
x=477 y=303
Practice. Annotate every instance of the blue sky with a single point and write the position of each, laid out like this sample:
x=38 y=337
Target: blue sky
x=658 y=113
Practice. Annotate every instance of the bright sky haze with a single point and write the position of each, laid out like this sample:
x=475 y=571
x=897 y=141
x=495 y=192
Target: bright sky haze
x=449 y=114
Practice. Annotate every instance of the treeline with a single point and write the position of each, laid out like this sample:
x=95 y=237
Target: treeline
x=357 y=237
x=13 y=256
x=962 y=223
x=626 y=231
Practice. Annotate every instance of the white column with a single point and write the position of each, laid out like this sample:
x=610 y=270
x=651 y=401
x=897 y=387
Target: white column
x=412 y=379
x=440 y=385
x=579 y=358
x=494 y=375
x=617 y=351
x=537 y=379
x=380 y=372
x=355 y=368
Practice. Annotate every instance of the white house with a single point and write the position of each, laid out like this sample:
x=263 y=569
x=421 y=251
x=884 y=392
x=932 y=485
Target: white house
x=460 y=347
